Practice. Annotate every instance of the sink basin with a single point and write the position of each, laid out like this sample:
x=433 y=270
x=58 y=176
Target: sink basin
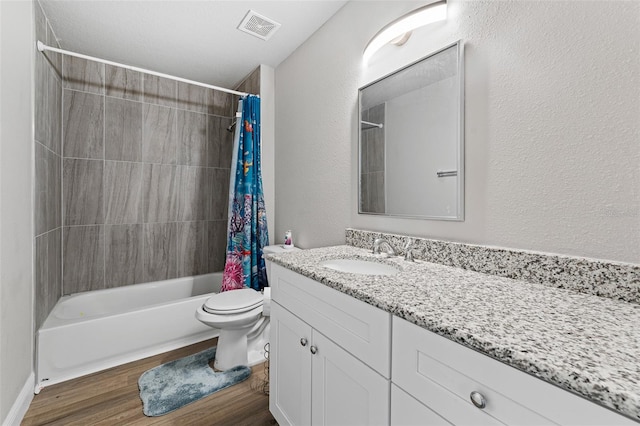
x=359 y=266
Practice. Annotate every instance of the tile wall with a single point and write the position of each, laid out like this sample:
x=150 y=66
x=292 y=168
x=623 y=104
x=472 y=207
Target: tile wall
x=250 y=84
x=132 y=176
x=47 y=168
x=145 y=177
x=372 y=161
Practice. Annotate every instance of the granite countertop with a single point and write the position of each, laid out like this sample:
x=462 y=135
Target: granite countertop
x=583 y=343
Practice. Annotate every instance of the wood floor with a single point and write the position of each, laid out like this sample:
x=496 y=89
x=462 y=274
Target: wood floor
x=111 y=397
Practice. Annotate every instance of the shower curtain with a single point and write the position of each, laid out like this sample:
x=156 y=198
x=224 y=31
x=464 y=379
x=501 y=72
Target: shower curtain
x=247 y=233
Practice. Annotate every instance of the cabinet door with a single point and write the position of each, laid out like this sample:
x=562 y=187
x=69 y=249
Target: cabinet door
x=345 y=391
x=408 y=411
x=289 y=368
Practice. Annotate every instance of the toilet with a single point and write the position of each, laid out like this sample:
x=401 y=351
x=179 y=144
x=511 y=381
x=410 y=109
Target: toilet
x=244 y=330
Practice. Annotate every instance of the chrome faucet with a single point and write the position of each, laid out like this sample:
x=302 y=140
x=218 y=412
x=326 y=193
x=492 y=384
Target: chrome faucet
x=381 y=244
x=408 y=250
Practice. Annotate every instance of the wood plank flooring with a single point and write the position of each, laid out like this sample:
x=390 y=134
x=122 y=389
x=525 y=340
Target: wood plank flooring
x=111 y=397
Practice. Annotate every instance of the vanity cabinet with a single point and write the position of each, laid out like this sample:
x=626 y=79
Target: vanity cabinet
x=462 y=386
x=329 y=355
x=333 y=362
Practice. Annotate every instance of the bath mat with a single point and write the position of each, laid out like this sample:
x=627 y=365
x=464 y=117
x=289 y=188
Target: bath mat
x=169 y=386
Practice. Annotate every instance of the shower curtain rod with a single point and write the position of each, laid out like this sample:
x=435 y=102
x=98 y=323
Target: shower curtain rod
x=42 y=47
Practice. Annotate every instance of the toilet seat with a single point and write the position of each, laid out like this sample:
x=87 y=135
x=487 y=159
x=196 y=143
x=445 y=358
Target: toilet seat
x=233 y=302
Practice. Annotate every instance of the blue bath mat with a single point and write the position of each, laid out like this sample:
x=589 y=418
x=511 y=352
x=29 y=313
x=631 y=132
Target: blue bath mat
x=175 y=384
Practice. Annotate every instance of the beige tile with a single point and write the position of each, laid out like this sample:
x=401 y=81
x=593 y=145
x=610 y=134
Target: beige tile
x=160 y=91
x=192 y=249
x=192 y=98
x=48 y=190
x=192 y=138
x=48 y=274
x=123 y=192
x=219 y=142
x=54 y=113
x=82 y=74
x=123 y=255
x=123 y=130
x=55 y=58
x=83 y=258
x=83 y=125
x=159 y=193
x=216 y=244
x=160 y=251
x=159 y=142
x=41 y=105
x=219 y=194
x=194 y=190
x=123 y=83
x=83 y=192
x=220 y=103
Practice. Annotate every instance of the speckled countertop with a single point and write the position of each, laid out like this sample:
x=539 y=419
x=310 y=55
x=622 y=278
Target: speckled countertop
x=583 y=343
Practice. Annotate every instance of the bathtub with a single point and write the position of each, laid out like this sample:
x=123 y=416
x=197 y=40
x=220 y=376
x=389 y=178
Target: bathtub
x=92 y=331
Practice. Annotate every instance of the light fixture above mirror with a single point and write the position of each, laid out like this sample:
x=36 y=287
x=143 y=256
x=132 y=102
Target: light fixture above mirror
x=400 y=28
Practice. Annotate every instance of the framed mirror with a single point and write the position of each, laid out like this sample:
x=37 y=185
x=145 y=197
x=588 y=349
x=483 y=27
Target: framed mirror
x=411 y=140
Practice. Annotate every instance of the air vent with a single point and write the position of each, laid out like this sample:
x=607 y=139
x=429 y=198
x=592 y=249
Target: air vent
x=258 y=25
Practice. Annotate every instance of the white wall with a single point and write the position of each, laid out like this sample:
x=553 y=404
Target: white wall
x=267 y=108
x=16 y=232
x=552 y=130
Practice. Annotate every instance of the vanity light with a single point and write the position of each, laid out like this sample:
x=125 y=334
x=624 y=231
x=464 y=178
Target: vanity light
x=433 y=12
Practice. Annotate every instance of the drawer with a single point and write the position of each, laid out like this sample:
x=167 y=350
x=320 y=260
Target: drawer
x=438 y=371
x=408 y=411
x=359 y=328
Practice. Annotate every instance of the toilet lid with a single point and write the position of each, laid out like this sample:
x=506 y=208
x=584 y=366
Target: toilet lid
x=233 y=301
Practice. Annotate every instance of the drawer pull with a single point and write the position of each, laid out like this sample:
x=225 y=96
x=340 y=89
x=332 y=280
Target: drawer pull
x=478 y=400
x=313 y=350
x=303 y=341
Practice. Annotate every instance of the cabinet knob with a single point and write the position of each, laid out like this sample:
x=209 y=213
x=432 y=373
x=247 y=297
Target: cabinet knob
x=313 y=350
x=478 y=399
x=303 y=341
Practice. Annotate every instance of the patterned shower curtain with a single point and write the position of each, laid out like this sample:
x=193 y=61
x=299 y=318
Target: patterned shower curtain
x=247 y=234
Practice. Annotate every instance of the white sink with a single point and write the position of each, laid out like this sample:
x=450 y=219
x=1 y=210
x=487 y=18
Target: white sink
x=359 y=266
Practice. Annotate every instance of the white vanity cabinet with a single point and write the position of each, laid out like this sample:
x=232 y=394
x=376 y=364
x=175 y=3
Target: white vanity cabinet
x=333 y=362
x=329 y=355
x=462 y=386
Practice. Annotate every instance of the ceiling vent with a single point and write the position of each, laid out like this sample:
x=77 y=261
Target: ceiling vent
x=258 y=25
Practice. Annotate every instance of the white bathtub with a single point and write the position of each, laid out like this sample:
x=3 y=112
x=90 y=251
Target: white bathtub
x=92 y=331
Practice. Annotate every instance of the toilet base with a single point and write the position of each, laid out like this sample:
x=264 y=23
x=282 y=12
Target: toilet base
x=237 y=347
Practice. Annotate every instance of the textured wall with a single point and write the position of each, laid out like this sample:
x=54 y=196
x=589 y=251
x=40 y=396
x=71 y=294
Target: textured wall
x=16 y=230
x=552 y=129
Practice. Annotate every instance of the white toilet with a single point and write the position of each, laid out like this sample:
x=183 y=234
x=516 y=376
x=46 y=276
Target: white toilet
x=244 y=330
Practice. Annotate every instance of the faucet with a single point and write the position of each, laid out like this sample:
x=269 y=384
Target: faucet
x=382 y=244
x=408 y=250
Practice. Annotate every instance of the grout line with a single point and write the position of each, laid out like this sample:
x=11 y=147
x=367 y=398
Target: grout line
x=150 y=103
x=104 y=177
x=141 y=206
x=176 y=189
x=62 y=215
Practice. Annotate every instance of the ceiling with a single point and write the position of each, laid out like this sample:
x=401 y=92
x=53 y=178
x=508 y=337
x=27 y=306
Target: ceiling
x=197 y=40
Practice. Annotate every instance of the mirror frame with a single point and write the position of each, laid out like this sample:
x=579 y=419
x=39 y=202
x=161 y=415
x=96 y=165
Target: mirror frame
x=459 y=217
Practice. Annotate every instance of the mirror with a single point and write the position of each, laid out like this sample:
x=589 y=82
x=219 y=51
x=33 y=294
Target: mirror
x=411 y=140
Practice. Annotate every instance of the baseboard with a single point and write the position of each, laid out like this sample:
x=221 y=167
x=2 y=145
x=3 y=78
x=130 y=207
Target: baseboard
x=21 y=404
